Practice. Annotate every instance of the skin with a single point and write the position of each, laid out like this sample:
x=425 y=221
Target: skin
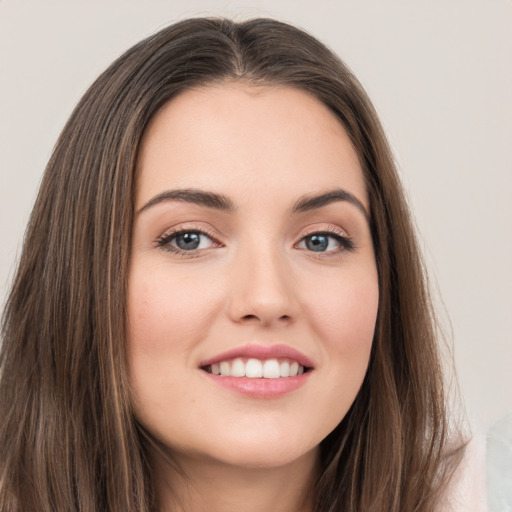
x=253 y=280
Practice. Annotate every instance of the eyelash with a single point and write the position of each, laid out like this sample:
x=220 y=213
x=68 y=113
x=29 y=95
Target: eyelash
x=164 y=241
x=345 y=242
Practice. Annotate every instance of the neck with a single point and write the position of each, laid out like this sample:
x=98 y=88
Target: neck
x=211 y=486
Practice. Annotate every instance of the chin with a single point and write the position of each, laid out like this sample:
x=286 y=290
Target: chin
x=268 y=457
x=263 y=449
x=251 y=450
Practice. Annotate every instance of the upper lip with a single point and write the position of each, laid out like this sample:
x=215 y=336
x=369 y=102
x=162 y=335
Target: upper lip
x=261 y=352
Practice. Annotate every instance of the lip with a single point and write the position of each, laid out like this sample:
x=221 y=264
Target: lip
x=261 y=352
x=261 y=387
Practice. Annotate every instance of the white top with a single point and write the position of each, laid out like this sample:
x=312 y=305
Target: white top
x=467 y=489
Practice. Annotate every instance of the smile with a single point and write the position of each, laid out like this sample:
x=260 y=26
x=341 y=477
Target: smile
x=259 y=371
x=256 y=368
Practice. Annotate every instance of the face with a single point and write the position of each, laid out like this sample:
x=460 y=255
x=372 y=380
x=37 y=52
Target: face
x=252 y=292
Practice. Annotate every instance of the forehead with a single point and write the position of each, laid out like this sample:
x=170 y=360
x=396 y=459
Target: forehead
x=218 y=136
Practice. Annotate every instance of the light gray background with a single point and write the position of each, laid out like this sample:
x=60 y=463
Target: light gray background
x=439 y=74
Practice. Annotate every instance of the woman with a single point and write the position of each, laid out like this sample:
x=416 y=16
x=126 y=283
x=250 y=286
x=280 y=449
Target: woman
x=220 y=303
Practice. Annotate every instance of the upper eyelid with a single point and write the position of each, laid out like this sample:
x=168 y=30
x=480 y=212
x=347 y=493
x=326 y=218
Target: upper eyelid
x=191 y=226
x=333 y=234
x=176 y=230
x=327 y=229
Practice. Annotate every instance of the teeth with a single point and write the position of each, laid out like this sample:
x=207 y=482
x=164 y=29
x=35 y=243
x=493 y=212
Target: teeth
x=224 y=369
x=271 y=369
x=256 y=369
x=238 y=368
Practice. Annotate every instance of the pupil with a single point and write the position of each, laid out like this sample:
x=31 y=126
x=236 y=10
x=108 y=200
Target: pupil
x=317 y=243
x=188 y=241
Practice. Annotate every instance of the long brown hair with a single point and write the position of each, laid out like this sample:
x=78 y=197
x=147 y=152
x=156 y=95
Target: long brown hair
x=68 y=440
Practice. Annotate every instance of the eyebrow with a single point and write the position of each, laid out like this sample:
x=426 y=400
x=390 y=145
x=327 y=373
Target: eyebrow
x=312 y=202
x=195 y=196
x=221 y=202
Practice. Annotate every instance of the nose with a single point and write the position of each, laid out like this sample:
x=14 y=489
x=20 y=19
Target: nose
x=262 y=289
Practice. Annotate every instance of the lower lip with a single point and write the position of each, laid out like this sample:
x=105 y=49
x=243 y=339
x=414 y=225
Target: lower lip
x=260 y=388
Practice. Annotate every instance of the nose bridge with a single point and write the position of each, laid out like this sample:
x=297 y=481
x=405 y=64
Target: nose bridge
x=262 y=288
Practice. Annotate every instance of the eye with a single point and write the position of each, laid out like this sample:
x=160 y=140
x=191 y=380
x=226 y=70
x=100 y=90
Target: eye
x=185 y=241
x=325 y=242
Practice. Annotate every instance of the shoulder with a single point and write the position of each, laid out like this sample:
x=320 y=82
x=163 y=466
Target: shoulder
x=466 y=491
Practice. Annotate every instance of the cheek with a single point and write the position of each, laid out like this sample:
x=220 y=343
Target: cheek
x=166 y=312
x=345 y=315
x=341 y=310
x=167 y=318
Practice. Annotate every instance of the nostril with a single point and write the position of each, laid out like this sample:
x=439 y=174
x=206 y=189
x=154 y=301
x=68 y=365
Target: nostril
x=285 y=318
x=250 y=317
